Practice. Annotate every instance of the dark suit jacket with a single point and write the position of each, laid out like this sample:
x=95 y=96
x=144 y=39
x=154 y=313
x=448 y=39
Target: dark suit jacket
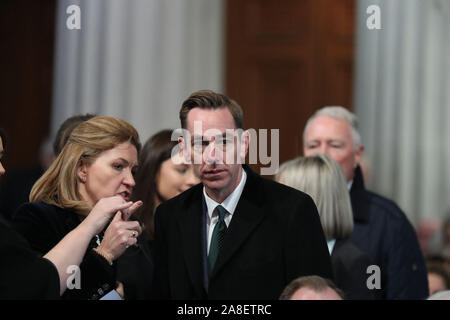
x=350 y=270
x=43 y=226
x=274 y=236
x=384 y=232
x=23 y=274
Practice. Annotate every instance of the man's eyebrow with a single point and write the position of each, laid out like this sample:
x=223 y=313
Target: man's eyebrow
x=196 y=138
x=335 y=140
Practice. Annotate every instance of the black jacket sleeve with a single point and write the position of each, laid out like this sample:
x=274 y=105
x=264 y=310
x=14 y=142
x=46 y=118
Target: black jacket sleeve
x=44 y=226
x=23 y=274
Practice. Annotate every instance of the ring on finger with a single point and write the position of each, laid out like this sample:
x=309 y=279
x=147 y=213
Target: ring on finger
x=134 y=234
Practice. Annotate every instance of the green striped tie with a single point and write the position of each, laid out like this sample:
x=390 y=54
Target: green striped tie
x=217 y=237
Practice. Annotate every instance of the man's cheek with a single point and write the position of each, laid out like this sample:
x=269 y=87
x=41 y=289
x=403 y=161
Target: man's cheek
x=197 y=170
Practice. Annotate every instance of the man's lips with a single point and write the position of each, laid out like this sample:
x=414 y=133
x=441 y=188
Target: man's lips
x=214 y=172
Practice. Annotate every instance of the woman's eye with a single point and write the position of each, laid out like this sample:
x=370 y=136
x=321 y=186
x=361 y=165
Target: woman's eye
x=118 y=166
x=181 y=169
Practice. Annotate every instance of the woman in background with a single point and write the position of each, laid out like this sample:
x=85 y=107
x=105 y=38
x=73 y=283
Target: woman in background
x=158 y=179
x=93 y=171
x=323 y=179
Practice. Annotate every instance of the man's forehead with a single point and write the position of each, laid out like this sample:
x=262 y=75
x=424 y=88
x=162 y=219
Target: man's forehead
x=327 y=127
x=220 y=119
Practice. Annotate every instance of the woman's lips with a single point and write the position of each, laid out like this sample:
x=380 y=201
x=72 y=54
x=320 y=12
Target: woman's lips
x=124 y=195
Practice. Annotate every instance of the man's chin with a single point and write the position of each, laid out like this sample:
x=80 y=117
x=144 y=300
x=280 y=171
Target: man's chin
x=214 y=184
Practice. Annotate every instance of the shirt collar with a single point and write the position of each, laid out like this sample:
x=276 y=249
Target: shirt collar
x=230 y=203
x=349 y=185
x=331 y=243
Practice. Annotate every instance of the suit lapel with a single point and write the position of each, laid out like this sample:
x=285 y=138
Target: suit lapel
x=359 y=198
x=337 y=245
x=248 y=214
x=190 y=225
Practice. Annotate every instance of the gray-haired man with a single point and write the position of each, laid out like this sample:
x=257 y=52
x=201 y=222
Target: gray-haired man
x=381 y=228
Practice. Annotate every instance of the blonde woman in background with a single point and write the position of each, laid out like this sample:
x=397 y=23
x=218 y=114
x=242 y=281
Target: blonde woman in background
x=323 y=179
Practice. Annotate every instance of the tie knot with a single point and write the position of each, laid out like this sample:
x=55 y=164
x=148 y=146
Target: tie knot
x=221 y=211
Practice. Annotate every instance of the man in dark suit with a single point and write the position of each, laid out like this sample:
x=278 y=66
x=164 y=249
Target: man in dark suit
x=381 y=229
x=235 y=235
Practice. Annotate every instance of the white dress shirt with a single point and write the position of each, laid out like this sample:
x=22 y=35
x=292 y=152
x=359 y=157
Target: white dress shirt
x=331 y=244
x=349 y=185
x=229 y=204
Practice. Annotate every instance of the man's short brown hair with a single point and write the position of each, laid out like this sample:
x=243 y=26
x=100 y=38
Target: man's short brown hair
x=207 y=99
x=316 y=283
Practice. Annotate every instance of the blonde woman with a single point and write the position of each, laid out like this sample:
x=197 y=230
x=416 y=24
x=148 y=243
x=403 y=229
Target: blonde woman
x=323 y=179
x=94 y=171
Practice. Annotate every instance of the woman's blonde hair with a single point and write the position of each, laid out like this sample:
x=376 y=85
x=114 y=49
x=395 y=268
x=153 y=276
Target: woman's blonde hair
x=59 y=184
x=323 y=179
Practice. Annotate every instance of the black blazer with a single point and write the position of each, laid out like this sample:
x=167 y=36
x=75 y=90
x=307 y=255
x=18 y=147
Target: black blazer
x=350 y=270
x=44 y=225
x=274 y=236
x=23 y=274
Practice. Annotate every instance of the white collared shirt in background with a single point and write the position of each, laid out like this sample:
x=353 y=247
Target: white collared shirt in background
x=229 y=204
x=331 y=244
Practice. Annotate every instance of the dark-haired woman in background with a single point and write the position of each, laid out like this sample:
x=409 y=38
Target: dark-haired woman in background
x=158 y=179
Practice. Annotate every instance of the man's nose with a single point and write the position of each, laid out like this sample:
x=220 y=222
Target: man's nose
x=324 y=149
x=210 y=153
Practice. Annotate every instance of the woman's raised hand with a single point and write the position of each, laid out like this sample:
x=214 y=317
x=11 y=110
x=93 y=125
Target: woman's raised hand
x=120 y=233
x=105 y=209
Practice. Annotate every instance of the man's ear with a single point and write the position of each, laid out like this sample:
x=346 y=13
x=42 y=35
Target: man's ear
x=359 y=154
x=184 y=150
x=244 y=145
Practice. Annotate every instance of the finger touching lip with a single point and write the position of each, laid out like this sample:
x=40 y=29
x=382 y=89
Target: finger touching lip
x=125 y=195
